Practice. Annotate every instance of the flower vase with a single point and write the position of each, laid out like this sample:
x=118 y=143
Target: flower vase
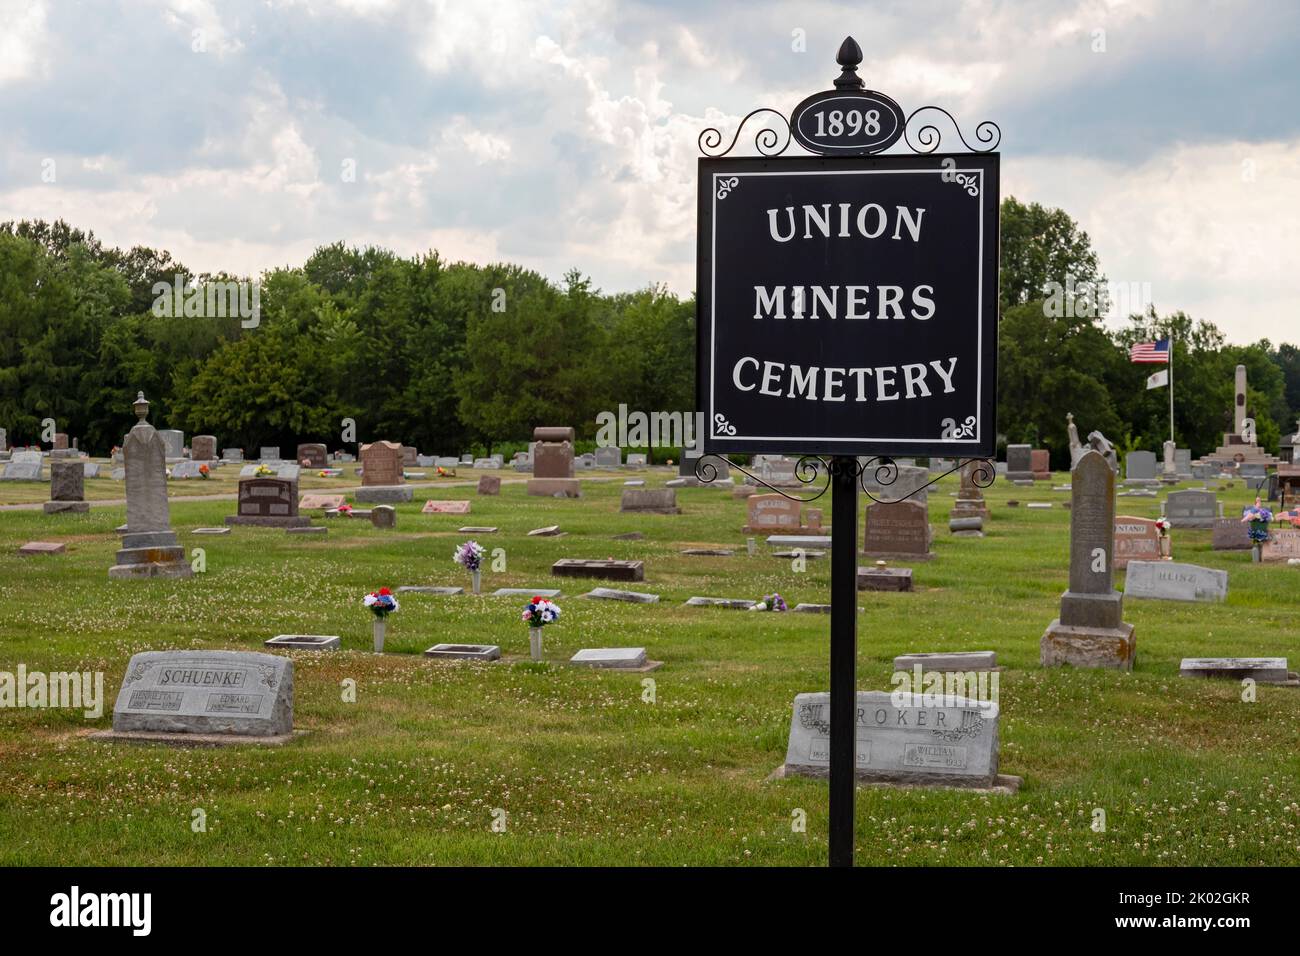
x=1257 y=552
x=380 y=625
x=1165 y=550
x=476 y=579
x=535 y=643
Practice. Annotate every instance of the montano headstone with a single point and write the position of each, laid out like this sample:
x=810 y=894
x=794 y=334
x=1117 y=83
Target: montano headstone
x=1090 y=631
x=953 y=741
x=206 y=692
x=149 y=546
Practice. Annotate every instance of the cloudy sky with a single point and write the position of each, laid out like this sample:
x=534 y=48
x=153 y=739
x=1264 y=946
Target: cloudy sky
x=241 y=135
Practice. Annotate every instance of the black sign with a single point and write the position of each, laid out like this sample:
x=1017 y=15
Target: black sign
x=848 y=305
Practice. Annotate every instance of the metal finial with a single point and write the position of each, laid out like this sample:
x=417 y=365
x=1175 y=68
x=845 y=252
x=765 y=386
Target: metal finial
x=141 y=406
x=848 y=58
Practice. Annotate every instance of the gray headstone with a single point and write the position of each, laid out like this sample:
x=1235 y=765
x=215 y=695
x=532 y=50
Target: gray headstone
x=185 y=469
x=954 y=744
x=90 y=469
x=305 y=642
x=232 y=454
x=609 y=456
x=22 y=471
x=206 y=692
x=173 y=442
x=798 y=540
x=616 y=657
x=1171 y=581
x=526 y=592
x=948 y=661
x=269 y=453
x=1191 y=509
x=613 y=594
x=636 y=461
x=465 y=652
x=1018 y=462
x=740 y=604
x=67 y=481
x=1267 y=670
x=1140 y=466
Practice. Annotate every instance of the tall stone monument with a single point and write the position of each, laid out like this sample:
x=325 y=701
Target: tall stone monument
x=149 y=546
x=1091 y=631
x=970 y=497
x=1239 y=446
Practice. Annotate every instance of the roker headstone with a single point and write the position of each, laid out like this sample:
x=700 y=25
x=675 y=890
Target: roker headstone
x=206 y=692
x=1090 y=631
x=952 y=741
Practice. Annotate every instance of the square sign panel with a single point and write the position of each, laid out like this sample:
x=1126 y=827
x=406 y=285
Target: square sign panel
x=849 y=306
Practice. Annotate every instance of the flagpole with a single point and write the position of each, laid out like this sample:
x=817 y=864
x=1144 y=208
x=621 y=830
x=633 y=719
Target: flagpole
x=1171 y=386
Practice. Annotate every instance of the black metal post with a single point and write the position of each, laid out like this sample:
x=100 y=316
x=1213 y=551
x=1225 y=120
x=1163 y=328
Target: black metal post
x=844 y=656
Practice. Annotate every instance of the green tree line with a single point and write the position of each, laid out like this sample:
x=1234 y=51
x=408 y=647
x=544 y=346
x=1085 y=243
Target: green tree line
x=454 y=356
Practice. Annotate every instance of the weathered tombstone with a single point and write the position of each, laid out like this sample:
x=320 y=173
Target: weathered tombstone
x=1283 y=544
x=609 y=456
x=1140 y=468
x=951 y=741
x=612 y=658
x=881 y=578
x=946 y=661
x=173 y=442
x=1168 y=581
x=1169 y=470
x=269 y=453
x=489 y=485
x=1191 y=509
x=970 y=497
x=465 y=652
x=1264 y=670
x=898 y=529
x=636 y=461
x=1019 y=463
x=203 y=448
x=1230 y=534
x=232 y=454
x=909 y=482
x=305 y=642
x=382 y=479
x=598 y=568
x=434 y=507
x=1136 y=539
x=226 y=693
x=1077 y=448
x=320 y=502
x=23 y=466
x=67 y=488
x=1091 y=631
x=268 y=502
x=650 y=501
x=614 y=594
x=149 y=546
x=1040 y=464
x=584 y=462
x=411 y=455
x=186 y=469
x=383 y=516
x=553 y=464
x=774 y=512
x=313 y=455
x=486 y=464
x=1183 y=463
x=90 y=469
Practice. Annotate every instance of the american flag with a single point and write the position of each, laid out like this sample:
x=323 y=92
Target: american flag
x=1150 y=351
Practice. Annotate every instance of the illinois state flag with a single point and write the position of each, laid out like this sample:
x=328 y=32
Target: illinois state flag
x=1150 y=352
x=1159 y=379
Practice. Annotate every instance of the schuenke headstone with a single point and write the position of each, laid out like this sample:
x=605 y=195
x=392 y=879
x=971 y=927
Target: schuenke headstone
x=898 y=529
x=954 y=745
x=1167 y=581
x=1191 y=509
x=149 y=546
x=1136 y=539
x=1090 y=631
x=67 y=487
x=206 y=692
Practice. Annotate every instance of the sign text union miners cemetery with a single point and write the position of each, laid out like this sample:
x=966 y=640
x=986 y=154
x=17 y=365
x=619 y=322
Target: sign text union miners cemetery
x=847 y=308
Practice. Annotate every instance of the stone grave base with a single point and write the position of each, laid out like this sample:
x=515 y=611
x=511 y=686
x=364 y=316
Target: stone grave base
x=1108 y=647
x=270 y=521
x=383 y=494
x=156 y=562
x=56 y=507
x=611 y=570
x=884 y=579
x=999 y=783
x=305 y=642
x=464 y=652
x=190 y=740
x=552 y=487
x=899 y=555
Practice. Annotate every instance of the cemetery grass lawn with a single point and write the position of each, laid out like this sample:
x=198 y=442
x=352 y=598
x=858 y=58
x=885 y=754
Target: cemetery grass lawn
x=586 y=771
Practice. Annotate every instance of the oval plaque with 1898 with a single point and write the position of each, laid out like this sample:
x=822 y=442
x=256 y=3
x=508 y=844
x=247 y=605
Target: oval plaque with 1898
x=844 y=123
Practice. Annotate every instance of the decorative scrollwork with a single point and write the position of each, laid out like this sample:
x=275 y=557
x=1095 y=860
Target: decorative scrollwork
x=808 y=471
x=725 y=186
x=767 y=140
x=722 y=426
x=928 y=136
x=982 y=474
